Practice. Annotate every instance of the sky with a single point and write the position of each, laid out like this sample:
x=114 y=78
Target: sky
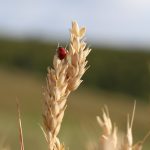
x=120 y=22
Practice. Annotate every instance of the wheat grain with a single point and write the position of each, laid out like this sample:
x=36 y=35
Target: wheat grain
x=64 y=77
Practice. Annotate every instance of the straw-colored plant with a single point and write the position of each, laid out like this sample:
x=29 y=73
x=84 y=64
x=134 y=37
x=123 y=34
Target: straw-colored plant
x=65 y=77
x=110 y=139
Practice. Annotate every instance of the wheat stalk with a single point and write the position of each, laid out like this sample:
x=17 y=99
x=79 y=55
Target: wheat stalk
x=64 y=77
x=20 y=127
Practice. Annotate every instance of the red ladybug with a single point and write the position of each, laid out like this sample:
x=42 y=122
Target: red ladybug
x=61 y=53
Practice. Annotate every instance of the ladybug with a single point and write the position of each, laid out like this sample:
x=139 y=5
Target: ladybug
x=62 y=52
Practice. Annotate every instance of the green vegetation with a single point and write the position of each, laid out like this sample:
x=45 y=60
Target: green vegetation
x=79 y=124
x=114 y=70
x=112 y=73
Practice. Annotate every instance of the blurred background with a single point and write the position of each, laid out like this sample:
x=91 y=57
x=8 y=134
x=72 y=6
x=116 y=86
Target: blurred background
x=118 y=33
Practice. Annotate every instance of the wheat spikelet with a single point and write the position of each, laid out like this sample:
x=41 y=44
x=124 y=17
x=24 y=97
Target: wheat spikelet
x=64 y=77
x=76 y=57
x=128 y=139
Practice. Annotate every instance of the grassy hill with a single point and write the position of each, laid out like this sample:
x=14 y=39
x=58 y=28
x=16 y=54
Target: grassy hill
x=79 y=125
x=122 y=70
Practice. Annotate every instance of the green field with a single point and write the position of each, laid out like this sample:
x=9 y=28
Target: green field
x=116 y=78
x=79 y=125
x=114 y=69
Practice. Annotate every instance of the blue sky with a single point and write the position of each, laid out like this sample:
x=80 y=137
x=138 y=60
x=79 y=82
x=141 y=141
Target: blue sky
x=122 y=22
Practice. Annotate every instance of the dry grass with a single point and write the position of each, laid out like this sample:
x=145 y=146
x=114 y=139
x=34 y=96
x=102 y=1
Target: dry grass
x=110 y=138
x=20 y=128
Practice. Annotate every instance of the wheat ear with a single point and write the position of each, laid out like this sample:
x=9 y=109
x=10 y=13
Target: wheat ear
x=64 y=77
x=109 y=139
